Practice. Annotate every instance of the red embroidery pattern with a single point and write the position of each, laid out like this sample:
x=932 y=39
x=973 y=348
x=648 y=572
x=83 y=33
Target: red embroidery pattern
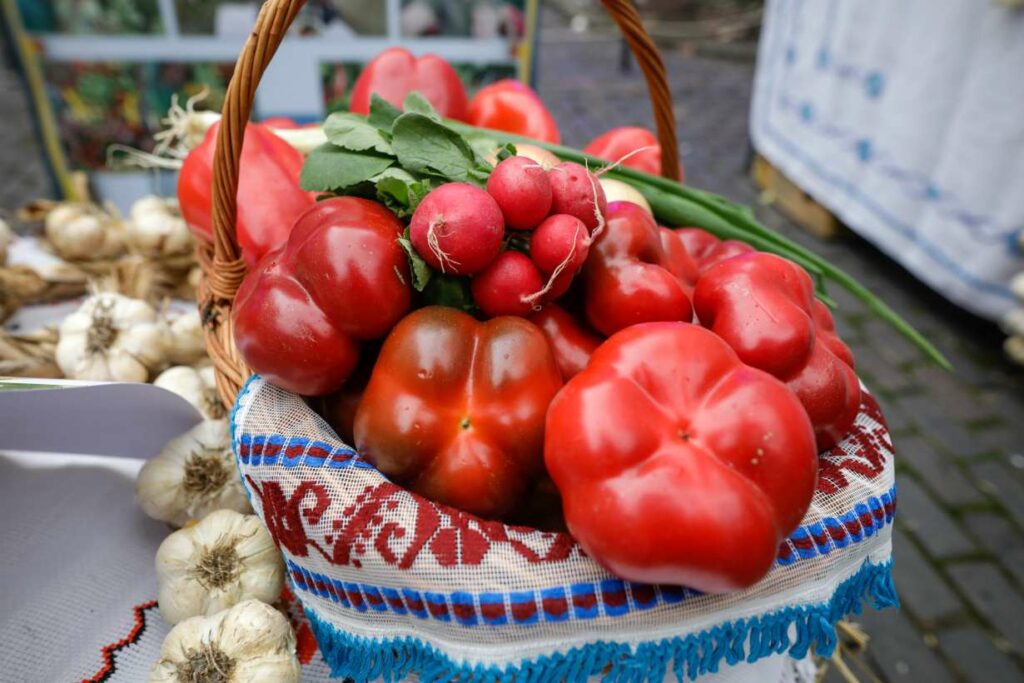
x=305 y=642
x=108 y=651
x=871 y=450
x=452 y=537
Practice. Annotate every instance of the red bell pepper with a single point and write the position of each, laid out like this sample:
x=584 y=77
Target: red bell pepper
x=513 y=107
x=269 y=196
x=455 y=408
x=570 y=341
x=764 y=307
x=340 y=279
x=678 y=260
x=339 y=408
x=617 y=143
x=395 y=73
x=706 y=250
x=676 y=462
x=628 y=276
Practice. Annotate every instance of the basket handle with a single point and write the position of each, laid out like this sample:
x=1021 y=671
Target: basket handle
x=649 y=58
x=274 y=19
x=221 y=262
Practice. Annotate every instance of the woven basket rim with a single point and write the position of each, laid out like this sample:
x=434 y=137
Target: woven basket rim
x=220 y=260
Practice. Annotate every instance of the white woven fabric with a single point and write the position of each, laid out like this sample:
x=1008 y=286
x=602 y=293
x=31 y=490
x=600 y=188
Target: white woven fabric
x=904 y=120
x=396 y=585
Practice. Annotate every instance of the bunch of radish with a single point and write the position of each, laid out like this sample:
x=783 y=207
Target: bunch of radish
x=522 y=240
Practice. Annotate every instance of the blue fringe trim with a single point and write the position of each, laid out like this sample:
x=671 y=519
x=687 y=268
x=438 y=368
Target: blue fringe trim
x=367 y=659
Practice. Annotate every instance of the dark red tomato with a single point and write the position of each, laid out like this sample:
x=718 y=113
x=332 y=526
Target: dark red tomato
x=455 y=408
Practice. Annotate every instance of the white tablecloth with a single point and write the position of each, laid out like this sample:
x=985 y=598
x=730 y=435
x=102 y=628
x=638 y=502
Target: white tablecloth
x=905 y=120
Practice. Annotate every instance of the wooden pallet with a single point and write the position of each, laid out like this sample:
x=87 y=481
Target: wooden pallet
x=796 y=204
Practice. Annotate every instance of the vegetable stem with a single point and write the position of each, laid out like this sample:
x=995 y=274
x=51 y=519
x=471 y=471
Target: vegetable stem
x=682 y=205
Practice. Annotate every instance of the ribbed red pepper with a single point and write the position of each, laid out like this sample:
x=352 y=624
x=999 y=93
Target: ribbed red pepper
x=269 y=196
x=764 y=307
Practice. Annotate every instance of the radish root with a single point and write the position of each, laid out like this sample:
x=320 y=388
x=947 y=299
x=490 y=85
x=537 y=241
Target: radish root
x=534 y=299
x=599 y=228
x=615 y=164
x=435 y=246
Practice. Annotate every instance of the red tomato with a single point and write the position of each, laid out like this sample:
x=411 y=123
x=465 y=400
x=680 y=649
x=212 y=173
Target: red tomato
x=513 y=107
x=269 y=196
x=455 y=408
x=570 y=340
x=395 y=73
x=617 y=143
x=628 y=276
x=676 y=462
x=340 y=279
x=764 y=307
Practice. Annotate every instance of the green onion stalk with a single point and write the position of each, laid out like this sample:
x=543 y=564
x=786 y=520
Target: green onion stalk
x=676 y=204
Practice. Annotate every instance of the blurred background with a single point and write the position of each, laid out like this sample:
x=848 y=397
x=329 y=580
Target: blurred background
x=888 y=137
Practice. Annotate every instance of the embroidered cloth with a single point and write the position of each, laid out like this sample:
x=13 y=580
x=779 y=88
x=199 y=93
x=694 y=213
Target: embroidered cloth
x=394 y=585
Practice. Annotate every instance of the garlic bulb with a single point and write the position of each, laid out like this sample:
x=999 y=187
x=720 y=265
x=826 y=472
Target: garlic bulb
x=1013 y=322
x=1014 y=348
x=198 y=387
x=249 y=643
x=194 y=475
x=5 y=240
x=187 y=343
x=112 y=338
x=83 y=232
x=1017 y=286
x=155 y=228
x=224 y=559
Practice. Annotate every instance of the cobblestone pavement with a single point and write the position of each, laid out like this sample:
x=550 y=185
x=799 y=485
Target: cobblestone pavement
x=959 y=538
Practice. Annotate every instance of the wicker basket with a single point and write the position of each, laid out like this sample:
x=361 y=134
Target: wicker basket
x=395 y=585
x=221 y=261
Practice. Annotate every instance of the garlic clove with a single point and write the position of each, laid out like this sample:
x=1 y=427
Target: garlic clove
x=193 y=475
x=124 y=366
x=223 y=560
x=158 y=491
x=198 y=387
x=111 y=338
x=6 y=236
x=1017 y=285
x=265 y=630
x=156 y=228
x=187 y=343
x=83 y=232
x=269 y=669
x=249 y=643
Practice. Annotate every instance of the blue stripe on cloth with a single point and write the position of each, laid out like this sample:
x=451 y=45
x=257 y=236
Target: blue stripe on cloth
x=732 y=642
x=609 y=598
x=296 y=451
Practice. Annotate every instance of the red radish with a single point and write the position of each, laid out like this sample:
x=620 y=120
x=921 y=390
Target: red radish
x=558 y=248
x=500 y=289
x=523 y=192
x=457 y=228
x=574 y=190
x=560 y=239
